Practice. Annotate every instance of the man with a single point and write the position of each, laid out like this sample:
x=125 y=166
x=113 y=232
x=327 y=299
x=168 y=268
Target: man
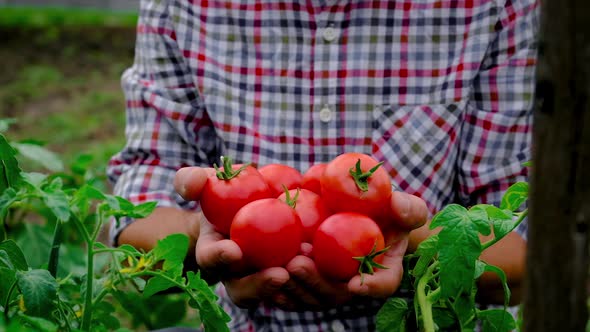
x=441 y=91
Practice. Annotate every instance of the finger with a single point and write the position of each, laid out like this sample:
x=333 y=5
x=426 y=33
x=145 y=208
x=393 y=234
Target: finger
x=408 y=211
x=311 y=288
x=213 y=252
x=250 y=290
x=383 y=282
x=189 y=181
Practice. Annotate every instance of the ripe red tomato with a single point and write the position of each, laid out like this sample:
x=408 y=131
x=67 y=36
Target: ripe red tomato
x=355 y=182
x=228 y=191
x=278 y=175
x=311 y=178
x=268 y=231
x=344 y=242
x=309 y=207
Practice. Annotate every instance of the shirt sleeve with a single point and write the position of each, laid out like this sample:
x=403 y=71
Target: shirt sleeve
x=497 y=130
x=167 y=127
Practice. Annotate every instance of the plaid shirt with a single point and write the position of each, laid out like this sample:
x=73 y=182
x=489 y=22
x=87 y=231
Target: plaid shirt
x=440 y=90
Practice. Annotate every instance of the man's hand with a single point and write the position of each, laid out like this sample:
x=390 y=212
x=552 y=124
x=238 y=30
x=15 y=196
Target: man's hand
x=220 y=259
x=307 y=289
x=299 y=286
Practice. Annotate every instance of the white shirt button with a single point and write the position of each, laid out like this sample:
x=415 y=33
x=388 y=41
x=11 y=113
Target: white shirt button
x=325 y=114
x=337 y=326
x=330 y=34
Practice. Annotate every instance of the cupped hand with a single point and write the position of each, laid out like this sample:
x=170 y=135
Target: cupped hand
x=307 y=289
x=219 y=258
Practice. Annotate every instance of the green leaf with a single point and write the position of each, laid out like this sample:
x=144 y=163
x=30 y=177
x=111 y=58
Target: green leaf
x=40 y=155
x=480 y=268
x=513 y=198
x=36 y=323
x=135 y=305
x=8 y=277
x=500 y=273
x=35 y=242
x=459 y=249
x=81 y=164
x=464 y=306
x=502 y=221
x=5 y=124
x=169 y=310
x=10 y=172
x=479 y=217
x=426 y=251
x=143 y=210
x=527 y=163
x=82 y=200
x=56 y=199
x=39 y=290
x=445 y=319
x=392 y=316
x=8 y=197
x=35 y=179
x=156 y=284
x=212 y=315
x=172 y=249
x=496 y=320
x=14 y=254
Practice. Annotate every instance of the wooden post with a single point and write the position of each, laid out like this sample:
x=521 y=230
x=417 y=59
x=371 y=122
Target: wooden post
x=557 y=269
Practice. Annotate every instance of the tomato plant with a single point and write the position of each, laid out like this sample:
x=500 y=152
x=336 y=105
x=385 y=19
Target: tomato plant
x=441 y=276
x=348 y=243
x=309 y=207
x=355 y=182
x=54 y=293
x=311 y=178
x=268 y=231
x=229 y=190
x=278 y=176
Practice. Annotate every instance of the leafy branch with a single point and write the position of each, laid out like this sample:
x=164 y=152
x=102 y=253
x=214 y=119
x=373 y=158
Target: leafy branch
x=442 y=274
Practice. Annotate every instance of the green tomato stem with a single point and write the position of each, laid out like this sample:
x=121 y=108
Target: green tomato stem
x=360 y=178
x=493 y=241
x=55 y=246
x=424 y=300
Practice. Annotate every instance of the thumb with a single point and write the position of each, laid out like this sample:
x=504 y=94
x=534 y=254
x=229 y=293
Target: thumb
x=190 y=181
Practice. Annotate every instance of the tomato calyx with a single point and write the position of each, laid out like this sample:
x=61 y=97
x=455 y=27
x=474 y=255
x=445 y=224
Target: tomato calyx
x=292 y=202
x=227 y=173
x=368 y=263
x=361 y=178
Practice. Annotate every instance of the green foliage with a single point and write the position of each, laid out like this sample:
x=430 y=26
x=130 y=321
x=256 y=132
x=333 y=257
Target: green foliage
x=69 y=280
x=442 y=273
x=51 y=17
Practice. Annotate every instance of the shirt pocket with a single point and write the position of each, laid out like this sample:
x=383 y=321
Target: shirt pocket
x=419 y=146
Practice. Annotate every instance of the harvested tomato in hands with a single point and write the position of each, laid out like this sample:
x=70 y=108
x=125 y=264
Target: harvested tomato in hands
x=311 y=178
x=278 y=175
x=268 y=231
x=309 y=207
x=348 y=243
x=355 y=182
x=229 y=190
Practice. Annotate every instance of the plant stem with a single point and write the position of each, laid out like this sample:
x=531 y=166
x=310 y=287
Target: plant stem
x=54 y=253
x=87 y=316
x=7 y=304
x=424 y=301
x=493 y=241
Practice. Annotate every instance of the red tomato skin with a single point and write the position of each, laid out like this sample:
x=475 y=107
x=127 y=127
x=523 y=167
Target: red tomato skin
x=341 y=194
x=311 y=210
x=341 y=237
x=268 y=232
x=311 y=178
x=277 y=175
x=221 y=199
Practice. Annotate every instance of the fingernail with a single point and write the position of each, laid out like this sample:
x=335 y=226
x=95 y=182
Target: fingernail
x=402 y=204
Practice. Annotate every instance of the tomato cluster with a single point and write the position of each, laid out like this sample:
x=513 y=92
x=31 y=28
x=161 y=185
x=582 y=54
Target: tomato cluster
x=339 y=207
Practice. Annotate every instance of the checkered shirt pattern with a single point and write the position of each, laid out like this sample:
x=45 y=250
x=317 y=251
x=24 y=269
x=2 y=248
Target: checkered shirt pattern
x=440 y=90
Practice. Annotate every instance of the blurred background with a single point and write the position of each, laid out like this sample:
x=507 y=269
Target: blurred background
x=60 y=78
